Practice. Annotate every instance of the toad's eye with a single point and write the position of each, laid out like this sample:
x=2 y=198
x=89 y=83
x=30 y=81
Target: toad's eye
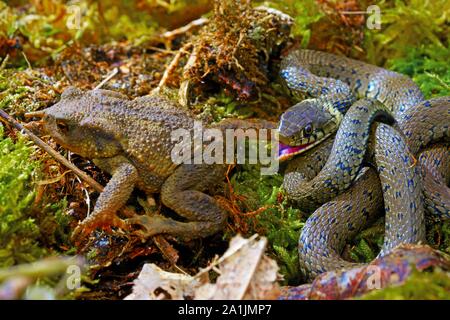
x=62 y=127
x=308 y=130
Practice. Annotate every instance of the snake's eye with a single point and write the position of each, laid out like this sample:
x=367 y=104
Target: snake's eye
x=307 y=130
x=62 y=126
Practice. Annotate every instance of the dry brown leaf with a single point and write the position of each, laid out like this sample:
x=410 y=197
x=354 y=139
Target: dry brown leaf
x=245 y=273
x=153 y=283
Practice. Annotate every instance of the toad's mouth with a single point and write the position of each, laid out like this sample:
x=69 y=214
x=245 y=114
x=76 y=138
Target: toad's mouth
x=286 y=152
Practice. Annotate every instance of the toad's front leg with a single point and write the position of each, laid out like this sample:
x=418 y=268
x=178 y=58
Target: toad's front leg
x=114 y=196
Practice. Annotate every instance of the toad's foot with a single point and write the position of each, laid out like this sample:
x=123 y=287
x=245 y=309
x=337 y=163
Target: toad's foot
x=157 y=224
x=104 y=221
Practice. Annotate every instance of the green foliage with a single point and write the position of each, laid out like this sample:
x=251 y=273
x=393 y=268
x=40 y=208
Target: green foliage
x=18 y=232
x=280 y=223
x=221 y=106
x=48 y=26
x=132 y=26
x=445 y=241
x=305 y=13
x=362 y=252
x=428 y=67
x=54 y=223
x=406 y=24
x=15 y=96
x=420 y=285
x=368 y=243
x=438 y=235
x=7 y=20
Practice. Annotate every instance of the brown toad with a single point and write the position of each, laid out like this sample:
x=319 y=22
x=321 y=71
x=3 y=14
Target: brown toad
x=131 y=140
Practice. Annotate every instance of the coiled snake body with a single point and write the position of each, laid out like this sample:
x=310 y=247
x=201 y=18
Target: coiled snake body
x=334 y=177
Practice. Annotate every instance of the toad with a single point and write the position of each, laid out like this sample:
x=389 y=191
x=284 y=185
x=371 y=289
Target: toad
x=131 y=140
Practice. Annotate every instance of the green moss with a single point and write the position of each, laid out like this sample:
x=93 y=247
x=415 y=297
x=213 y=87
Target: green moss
x=54 y=226
x=280 y=223
x=362 y=252
x=221 y=106
x=15 y=96
x=438 y=235
x=428 y=67
x=47 y=27
x=18 y=232
x=368 y=243
x=305 y=13
x=407 y=24
x=28 y=231
x=420 y=285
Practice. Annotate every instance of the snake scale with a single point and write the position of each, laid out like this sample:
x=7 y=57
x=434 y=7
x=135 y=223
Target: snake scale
x=356 y=139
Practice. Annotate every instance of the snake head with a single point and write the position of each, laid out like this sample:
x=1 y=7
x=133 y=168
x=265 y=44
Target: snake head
x=303 y=126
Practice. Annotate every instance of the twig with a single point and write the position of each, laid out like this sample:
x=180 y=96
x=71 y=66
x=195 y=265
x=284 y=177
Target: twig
x=160 y=241
x=184 y=29
x=27 y=61
x=168 y=251
x=109 y=77
x=173 y=64
x=161 y=50
x=32 y=114
x=3 y=65
x=45 y=267
x=41 y=144
x=435 y=76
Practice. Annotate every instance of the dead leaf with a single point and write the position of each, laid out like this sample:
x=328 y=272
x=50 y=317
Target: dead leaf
x=153 y=283
x=245 y=273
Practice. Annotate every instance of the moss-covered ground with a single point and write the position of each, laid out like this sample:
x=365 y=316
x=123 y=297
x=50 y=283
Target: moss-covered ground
x=48 y=45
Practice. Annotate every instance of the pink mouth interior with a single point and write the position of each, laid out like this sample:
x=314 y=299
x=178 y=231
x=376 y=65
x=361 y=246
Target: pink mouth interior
x=286 y=151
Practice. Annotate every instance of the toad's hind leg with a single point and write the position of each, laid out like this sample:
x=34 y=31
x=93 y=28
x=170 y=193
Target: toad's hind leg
x=183 y=192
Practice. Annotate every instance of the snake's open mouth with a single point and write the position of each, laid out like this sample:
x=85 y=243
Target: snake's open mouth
x=286 y=152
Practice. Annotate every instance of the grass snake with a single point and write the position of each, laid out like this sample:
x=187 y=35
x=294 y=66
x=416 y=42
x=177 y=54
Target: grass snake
x=356 y=139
